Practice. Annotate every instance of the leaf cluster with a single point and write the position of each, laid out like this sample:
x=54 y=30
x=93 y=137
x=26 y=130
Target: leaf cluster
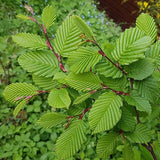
x=111 y=94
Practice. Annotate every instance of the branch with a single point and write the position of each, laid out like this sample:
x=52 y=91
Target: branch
x=81 y=115
x=29 y=97
x=44 y=30
x=117 y=92
x=103 y=54
x=121 y=133
x=137 y=115
x=148 y=147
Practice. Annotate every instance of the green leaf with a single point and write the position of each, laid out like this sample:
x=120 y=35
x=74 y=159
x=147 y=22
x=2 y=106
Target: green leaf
x=127 y=152
x=40 y=63
x=107 y=69
x=105 y=112
x=140 y=103
x=82 y=98
x=84 y=82
x=127 y=121
x=140 y=70
x=60 y=77
x=48 y=16
x=17 y=91
x=154 y=53
x=118 y=84
x=19 y=107
x=76 y=109
x=45 y=83
x=21 y=16
x=141 y=134
x=71 y=140
x=83 y=59
x=107 y=145
x=28 y=40
x=146 y=23
x=67 y=37
x=59 y=98
x=131 y=46
x=148 y=88
x=52 y=119
x=83 y=27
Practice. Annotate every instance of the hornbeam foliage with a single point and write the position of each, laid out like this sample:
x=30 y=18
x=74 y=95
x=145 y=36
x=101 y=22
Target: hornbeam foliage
x=119 y=89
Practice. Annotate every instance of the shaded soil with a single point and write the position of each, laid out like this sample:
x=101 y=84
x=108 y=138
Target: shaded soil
x=124 y=14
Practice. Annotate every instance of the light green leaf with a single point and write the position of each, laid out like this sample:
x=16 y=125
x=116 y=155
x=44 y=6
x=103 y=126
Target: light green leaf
x=84 y=82
x=71 y=140
x=146 y=23
x=52 y=119
x=77 y=109
x=82 y=98
x=137 y=154
x=19 y=107
x=107 y=145
x=118 y=84
x=140 y=70
x=83 y=59
x=107 y=69
x=141 y=134
x=48 y=16
x=21 y=16
x=127 y=152
x=131 y=46
x=40 y=63
x=105 y=112
x=29 y=40
x=127 y=121
x=17 y=91
x=148 y=88
x=85 y=29
x=154 y=53
x=140 y=103
x=59 y=98
x=60 y=77
x=45 y=83
x=67 y=37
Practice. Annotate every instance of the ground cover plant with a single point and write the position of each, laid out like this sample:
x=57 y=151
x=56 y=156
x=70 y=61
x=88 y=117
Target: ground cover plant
x=108 y=91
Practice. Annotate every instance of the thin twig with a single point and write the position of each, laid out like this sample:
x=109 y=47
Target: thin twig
x=48 y=41
x=148 y=147
x=117 y=92
x=137 y=115
x=104 y=55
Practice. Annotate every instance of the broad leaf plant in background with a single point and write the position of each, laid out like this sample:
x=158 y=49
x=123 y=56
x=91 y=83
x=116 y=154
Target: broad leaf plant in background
x=114 y=94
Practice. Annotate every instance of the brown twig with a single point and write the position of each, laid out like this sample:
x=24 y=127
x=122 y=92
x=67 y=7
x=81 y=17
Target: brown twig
x=81 y=115
x=121 y=133
x=148 y=147
x=44 y=30
x=29 y=97
x=137 y=115
x=117 y=92
x=104 y=55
